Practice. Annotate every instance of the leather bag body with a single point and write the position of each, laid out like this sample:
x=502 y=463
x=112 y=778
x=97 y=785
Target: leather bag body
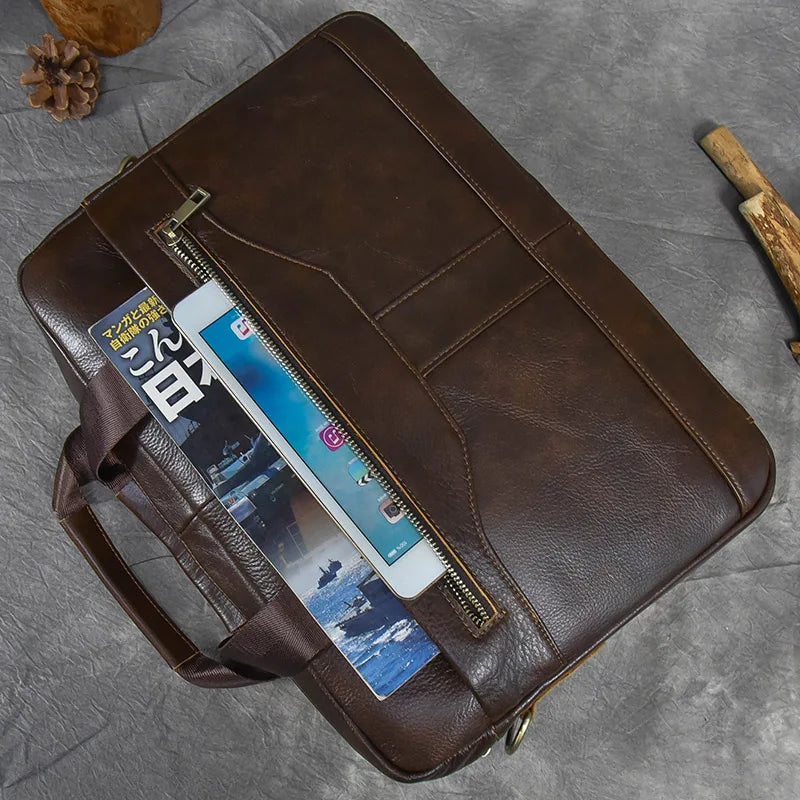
x=572 y=453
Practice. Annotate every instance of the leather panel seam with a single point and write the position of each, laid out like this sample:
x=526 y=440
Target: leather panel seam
x=430 y=277
x=439 y=272
x=483 y=325
x=655 y=386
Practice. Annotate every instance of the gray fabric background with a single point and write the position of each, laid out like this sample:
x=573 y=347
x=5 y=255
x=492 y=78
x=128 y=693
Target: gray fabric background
x=697 y=698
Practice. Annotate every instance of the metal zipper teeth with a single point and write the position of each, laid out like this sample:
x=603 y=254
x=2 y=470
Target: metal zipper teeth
x=193 y=257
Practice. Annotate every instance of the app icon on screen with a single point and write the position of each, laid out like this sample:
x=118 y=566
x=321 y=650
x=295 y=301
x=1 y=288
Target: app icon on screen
x=241 y=328
x=333 y=439
x=390 y=510
x=359 y=473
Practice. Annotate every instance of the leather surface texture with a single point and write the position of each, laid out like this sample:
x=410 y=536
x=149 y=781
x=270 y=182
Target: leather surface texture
x=567 y=445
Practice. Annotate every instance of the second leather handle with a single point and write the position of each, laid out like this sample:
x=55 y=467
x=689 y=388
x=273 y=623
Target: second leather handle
x=91 y=539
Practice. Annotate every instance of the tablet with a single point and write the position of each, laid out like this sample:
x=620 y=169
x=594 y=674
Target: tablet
x=310 y=443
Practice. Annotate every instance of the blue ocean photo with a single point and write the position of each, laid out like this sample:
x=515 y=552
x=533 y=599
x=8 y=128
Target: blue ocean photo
x=371 y=627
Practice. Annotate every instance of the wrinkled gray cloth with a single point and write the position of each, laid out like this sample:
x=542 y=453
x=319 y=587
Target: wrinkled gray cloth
x=698 y=697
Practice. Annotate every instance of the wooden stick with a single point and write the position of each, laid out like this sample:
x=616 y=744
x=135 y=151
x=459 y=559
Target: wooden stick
x=726 y=151
x=775 y=224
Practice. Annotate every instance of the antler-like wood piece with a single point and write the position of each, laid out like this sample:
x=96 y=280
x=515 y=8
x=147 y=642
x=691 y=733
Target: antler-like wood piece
x=775 y=224
x=768 y=217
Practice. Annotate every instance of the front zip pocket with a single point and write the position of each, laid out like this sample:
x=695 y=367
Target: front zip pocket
x=202 y=265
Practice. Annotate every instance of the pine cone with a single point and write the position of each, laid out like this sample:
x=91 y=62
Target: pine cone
x=66 y=75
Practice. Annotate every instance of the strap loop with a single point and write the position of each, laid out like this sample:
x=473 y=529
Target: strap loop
x=109 y=410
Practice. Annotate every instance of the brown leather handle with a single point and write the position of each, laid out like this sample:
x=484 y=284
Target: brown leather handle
x=278 y=641
x=89 y=536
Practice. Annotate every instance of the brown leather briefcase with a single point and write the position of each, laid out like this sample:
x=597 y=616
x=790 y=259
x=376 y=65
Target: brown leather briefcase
x=566 y=454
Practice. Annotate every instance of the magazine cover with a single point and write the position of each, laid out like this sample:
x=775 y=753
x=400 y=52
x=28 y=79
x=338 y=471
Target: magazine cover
x=365 y=621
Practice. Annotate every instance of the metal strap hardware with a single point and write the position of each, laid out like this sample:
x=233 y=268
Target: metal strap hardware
x=124 y=164
x=516 y=733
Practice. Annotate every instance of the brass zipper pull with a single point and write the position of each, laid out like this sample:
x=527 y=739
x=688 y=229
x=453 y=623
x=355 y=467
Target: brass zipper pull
x=196 y=200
